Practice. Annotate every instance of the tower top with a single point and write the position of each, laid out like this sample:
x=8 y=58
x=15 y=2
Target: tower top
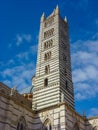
x=65 y=19
x=43 y=17
x=57 y=11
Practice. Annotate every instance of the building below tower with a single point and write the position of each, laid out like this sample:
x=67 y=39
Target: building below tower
x=16 y=114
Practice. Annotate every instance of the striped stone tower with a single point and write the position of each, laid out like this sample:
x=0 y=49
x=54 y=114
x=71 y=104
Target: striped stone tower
x=53 y=80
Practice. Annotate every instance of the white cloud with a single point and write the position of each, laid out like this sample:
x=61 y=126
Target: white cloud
x=23 y=37
x=91 y=72
x=93 y=112
x=84 y=61
x=85 y=91
x=85 y=73
x=34 y=48
x=93 y=45
x=19 y=76
x=19 y=39
x=23 y=55
x=27 y=37
x=7 y=82
x=85 y=68
x=19 y=70
x=5 y=64
x=95 y=36
x=79 y=75
x=26 y=55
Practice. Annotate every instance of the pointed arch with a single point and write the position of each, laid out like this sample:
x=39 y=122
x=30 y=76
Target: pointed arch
x=47 y=125
x=45 y=57
x=47 y=69
x=21 y=125
x=45 y=82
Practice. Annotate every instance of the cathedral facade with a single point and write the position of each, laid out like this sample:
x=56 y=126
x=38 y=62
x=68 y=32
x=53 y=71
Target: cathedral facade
x=50 y=105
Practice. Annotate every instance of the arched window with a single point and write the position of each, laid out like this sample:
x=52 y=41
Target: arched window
x=47 y=125
x=46 y=82
x=49 y=55
x=45 y=57
x=47 y=69
x=21 y=124
x=44 y=34
x=48 y=44
x=45 y=45
x=52 y=30
x=49 y=33
x=51 y=42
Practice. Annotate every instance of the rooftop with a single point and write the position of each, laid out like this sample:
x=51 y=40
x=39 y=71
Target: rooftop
x=26 y=90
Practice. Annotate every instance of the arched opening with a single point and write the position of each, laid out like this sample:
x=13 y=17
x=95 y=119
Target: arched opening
x=49 y=55
x=47 y=125
x=47 y=69
x=45 y=57
x=46 y=82
x=52 y=31
x=45 y=34
x=51 y=42
x=21 y=124
x=45 y=45
x=49 y=32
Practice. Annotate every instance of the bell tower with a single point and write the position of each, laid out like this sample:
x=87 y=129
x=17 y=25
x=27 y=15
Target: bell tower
x=53 y=82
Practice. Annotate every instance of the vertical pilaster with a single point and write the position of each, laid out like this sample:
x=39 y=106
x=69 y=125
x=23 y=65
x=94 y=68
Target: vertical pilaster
x=62 y=117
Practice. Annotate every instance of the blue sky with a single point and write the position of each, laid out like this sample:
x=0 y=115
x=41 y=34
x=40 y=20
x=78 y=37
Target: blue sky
x=19 y=30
